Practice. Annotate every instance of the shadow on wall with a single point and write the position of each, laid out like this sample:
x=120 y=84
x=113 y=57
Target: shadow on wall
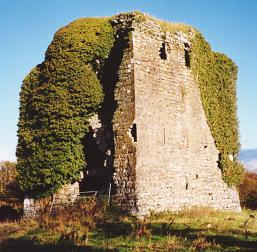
x=99 y=170
x=94 y=173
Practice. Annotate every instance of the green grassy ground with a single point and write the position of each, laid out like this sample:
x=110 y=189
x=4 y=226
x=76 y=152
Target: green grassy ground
x=194 y=230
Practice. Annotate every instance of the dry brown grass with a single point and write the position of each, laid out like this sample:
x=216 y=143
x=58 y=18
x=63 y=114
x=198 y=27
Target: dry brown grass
x=85 y=225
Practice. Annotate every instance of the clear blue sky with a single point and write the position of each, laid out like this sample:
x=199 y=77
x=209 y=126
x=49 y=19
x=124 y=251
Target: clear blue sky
x=27 y=27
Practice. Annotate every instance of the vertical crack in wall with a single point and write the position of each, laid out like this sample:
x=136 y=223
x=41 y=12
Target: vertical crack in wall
x=98 y=170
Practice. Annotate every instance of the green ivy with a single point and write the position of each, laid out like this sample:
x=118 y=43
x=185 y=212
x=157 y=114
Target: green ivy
x=216 y=76
x=56 y=100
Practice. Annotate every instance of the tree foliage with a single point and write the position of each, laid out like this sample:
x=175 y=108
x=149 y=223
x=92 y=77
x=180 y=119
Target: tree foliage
x=7 y=175
x=56 y=100
x=11 y=197
x=248 y=190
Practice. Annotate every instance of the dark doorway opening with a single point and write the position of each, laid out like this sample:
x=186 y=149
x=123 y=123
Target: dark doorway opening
x=94 y=173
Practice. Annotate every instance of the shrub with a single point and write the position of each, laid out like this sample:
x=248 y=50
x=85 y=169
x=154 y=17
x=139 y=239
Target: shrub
x=10 y=195
x=74 y=222
x=248 y=190
x=7 y=175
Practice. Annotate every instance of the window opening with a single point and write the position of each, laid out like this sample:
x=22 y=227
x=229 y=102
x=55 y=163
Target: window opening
x=133 y=132
x=163 y=54
x=187 y=55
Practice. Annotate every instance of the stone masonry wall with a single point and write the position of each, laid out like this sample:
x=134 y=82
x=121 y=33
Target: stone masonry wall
x=176 y=155
x=125 y=151
x=66 y=195
x=102 y=137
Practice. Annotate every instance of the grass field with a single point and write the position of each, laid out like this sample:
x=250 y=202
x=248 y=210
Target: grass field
x=90 y=227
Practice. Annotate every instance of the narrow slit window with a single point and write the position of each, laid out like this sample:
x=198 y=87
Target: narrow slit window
x=163 y=54
x=187 y=55
x=164 y=136
x=134 y=132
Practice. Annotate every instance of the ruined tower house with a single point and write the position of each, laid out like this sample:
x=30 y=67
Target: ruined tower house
x=154 y=144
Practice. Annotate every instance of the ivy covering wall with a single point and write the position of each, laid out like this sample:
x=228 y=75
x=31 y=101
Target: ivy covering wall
x=56 y=100
x=216 y=76
x=58 y=96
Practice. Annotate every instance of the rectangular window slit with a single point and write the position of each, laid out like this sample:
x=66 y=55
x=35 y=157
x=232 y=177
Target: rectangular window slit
x=134 y=132
x=187 y=55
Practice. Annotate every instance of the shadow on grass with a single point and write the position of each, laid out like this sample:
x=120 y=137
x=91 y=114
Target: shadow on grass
x=9 y=213
x=18 y=245
x=112 y=230
x=227 y=240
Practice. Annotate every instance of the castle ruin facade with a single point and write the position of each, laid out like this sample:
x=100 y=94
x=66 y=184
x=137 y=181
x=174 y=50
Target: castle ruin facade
x=158 y=144
x=165 y=155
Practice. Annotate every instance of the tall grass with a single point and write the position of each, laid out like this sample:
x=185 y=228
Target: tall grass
x=92 y=225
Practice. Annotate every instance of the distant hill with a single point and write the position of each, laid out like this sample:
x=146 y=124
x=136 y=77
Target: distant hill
x=249 y=159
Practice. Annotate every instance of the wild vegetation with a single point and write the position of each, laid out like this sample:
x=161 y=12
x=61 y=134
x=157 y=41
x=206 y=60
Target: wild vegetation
x=216 y=75
x=11 y=197
x=248 y=190
x=56 y=100
x=92 y=225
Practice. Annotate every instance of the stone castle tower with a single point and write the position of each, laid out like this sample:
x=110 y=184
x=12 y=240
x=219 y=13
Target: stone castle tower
x=158 y=144
x=165 y=155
